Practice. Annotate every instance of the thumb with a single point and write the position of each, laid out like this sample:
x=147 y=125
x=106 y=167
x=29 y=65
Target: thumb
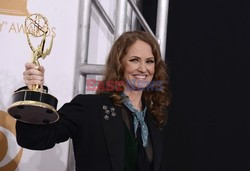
x=41 y=68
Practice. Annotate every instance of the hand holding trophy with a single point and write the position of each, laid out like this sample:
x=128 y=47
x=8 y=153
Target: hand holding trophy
x=34 y=105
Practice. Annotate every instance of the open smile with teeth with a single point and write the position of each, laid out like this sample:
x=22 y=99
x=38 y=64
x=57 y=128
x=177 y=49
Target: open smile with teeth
x=140 y=77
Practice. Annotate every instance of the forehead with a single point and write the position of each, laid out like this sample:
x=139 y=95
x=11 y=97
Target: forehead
x=140 y=48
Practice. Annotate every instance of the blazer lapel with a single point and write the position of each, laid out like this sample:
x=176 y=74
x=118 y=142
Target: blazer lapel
x=114 y=134
x=156 y=143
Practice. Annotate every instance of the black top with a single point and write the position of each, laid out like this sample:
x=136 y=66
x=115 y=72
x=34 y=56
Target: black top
x=134 y=145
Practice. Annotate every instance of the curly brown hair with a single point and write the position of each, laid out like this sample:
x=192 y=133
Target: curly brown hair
x=156 y=99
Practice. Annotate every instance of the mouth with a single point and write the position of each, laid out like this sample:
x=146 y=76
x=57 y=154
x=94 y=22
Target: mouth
x=140 y=77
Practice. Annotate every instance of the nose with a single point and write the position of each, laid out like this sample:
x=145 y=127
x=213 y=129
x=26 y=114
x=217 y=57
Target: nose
x=142 y=67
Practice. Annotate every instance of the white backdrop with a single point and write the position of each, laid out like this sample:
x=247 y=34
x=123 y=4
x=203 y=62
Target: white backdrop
x=15 y=52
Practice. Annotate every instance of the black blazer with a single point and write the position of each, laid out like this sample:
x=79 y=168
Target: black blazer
x=98 y=136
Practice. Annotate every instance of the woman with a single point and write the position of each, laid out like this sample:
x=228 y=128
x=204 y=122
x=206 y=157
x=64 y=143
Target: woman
x=119 y=128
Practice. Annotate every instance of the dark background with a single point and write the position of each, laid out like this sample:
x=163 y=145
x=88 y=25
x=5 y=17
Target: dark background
x=208 y=54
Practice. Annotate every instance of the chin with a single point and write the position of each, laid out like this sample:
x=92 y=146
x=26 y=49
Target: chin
x=135 y=87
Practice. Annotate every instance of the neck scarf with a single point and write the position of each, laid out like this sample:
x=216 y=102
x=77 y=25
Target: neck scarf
x=138 y=119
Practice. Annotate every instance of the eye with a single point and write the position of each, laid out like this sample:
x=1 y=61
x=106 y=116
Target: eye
x=134 y=60
x=150 y=61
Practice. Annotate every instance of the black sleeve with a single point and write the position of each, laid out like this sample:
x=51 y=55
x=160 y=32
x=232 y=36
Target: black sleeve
x=41 y=137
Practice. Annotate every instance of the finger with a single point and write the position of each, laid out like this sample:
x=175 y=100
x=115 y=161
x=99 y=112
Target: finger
x=41 y=68
x=33 y=66
x=30 y=83
x=30 y=87
x=35 y=77
x=29 y=66
x=27 y=77
x=36 y=82
x=33 y=72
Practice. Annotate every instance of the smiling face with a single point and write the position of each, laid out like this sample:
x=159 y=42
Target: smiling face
x=139 y=65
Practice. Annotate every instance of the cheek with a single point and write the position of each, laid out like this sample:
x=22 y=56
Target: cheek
x=129 y=68
x=126 y=72
x=152 y=69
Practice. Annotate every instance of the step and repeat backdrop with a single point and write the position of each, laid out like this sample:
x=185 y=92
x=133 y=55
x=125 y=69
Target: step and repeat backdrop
x=15 y=51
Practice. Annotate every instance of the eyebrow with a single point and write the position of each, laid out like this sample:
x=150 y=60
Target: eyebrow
x=140 y=57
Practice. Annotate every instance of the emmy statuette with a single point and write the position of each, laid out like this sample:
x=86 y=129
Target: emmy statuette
x=35 y=106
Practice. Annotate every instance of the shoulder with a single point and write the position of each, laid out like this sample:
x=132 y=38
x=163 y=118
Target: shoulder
x=85 y=102
x=91 y=99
